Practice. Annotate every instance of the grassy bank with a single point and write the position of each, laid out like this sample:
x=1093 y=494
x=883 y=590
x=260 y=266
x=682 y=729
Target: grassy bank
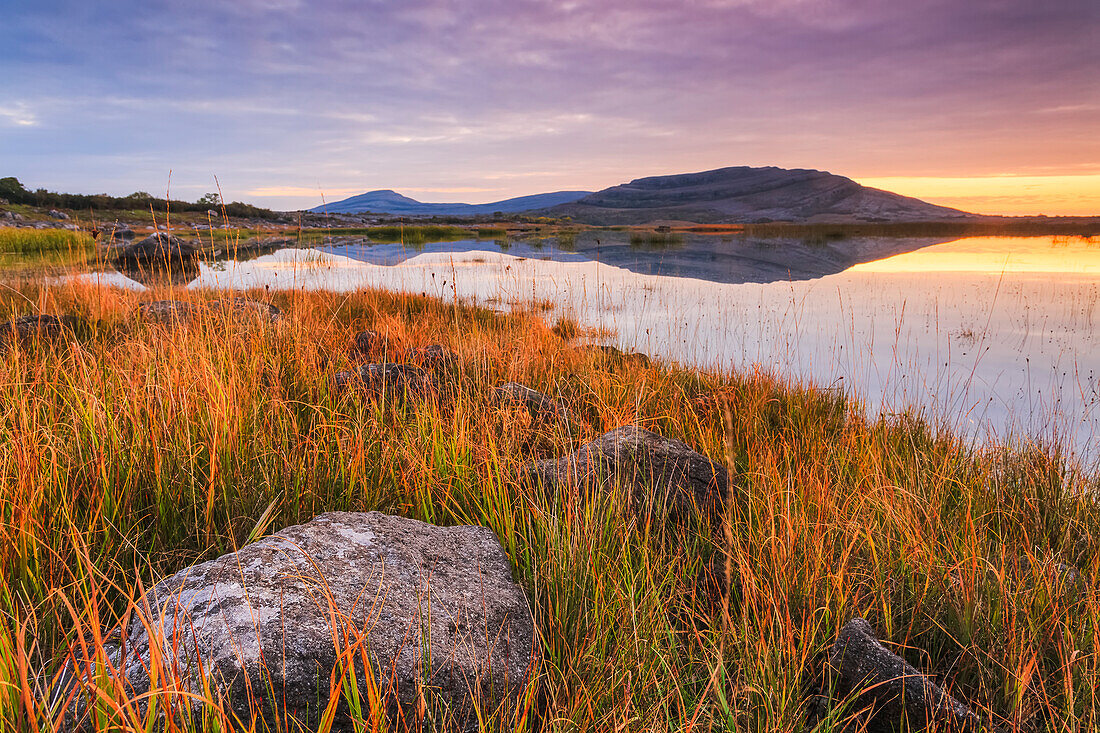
x=35 y=248
x=141 y=450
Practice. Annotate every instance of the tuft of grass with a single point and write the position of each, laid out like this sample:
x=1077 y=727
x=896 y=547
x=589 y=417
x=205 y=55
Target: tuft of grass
x=141 y=450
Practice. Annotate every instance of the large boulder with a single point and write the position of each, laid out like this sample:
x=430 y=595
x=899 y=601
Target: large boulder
x=651 y=466
x=158 y=250
x=392 y=381
x=886 y=690
x=429 y=616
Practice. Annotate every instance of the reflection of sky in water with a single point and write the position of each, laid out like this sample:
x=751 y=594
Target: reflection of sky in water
x=980 y=345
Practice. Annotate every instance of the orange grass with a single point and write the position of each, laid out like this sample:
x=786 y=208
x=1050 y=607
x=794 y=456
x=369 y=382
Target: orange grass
x=138 y=450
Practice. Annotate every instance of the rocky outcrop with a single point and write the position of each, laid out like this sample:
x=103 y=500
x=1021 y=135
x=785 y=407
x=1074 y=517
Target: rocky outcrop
x=887 y=689
x=652 y=467
x=392 y=381
x=429 y=615
x=30 y=330
x=544 y=411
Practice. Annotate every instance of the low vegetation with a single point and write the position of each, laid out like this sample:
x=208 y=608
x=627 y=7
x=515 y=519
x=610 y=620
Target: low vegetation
x=140 y=450
x=36 y=248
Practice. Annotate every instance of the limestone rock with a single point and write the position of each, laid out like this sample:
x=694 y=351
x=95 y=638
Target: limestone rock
x=651 y=466
x=170 y=312
x=613 y=355
x=433 y=611
x=435 y=357
x=393 y=381
x=246 y=308
x=890 y=687
x=370 y=346
x=42 y=328
x=544 y=410
x=157 y=250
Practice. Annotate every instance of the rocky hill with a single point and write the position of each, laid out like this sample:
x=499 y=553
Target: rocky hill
x=743 y=194
x=390 y=202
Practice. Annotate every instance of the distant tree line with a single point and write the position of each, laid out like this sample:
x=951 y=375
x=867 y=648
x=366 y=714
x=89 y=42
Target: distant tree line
x=12 y=190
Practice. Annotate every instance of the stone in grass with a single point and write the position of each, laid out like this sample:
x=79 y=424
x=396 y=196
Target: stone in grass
x=245 y=308
x=370 y=346
x=39 y=329
x=651 y=466
x=614 y=356
x=433 y=610
x=183 y=313
x=545 y=411
x=435 y=357
x=171 y=312
x=887 y=690
x=392 y=381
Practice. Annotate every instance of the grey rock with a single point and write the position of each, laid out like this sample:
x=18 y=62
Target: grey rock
x=888 y=689
x=8 y=215
x=545 y=411
x=651 y=466
x=108 y=232
x=371 y=346
x=42 y=328
x=250 y=309
x=614 y=356
x=393 y=381
x=171 y=312
x=436 y=357
x=159 y=250
x=433 y=611
x=55 y=214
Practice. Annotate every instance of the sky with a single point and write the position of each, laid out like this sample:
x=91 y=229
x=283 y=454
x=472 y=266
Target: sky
x=989 y=105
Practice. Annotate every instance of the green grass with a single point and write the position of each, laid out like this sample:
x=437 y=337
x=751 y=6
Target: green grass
x=145 y=450
x=43 y=247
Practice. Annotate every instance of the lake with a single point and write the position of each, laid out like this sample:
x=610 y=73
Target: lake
x=992 y=337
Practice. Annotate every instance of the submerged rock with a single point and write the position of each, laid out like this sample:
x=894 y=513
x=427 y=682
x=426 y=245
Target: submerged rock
x=432 y=611
x=393 y=381
x=889 y=689
x=653 y=467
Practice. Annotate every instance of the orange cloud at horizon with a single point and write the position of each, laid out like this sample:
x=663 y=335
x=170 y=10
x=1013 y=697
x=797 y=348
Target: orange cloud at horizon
x=1009 y=195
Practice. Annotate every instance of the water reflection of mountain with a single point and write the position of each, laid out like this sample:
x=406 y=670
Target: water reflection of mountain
x=717 y=259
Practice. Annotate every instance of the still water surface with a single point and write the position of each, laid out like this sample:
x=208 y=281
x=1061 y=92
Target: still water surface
x=993 y=337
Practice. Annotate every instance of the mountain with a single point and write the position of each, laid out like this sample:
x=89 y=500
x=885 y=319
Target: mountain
x=391 y=202
x=743 y=194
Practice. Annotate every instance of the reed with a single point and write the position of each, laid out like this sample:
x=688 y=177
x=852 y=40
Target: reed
x=141 y=450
